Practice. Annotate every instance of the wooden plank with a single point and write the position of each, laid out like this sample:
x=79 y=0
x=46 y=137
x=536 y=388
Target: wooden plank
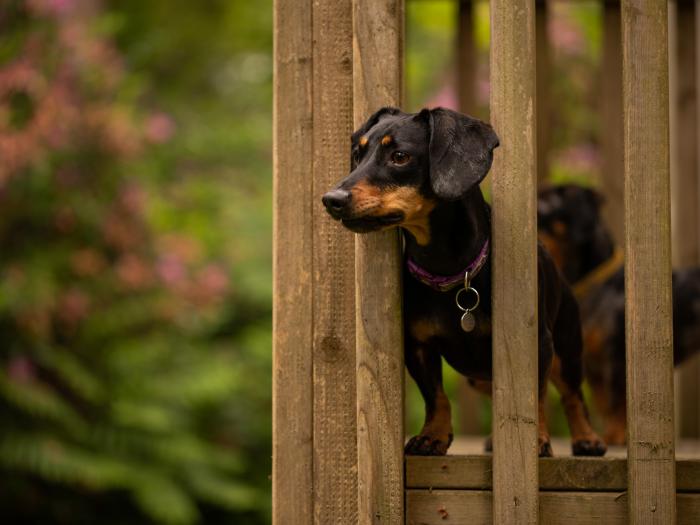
x=684 y=186
x=438 y=507
x=648 y=264
x=612 y=181
x=292 y=457
x=335 y=434
x=378 y=58
x=468 y=400
x=558 y=473
x=514 y=262
x=543 y=73
x=466 y=58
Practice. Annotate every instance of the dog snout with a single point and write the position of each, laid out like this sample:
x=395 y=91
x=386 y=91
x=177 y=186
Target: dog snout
x=337 y=201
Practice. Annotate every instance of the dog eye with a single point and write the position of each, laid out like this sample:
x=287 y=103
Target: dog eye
x=400 y=158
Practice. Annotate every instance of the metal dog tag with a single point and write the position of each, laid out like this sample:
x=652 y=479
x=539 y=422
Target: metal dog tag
x=468 y=322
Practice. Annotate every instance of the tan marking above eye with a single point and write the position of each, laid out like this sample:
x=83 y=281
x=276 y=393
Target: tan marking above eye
x=386 y=140
x=363 y=141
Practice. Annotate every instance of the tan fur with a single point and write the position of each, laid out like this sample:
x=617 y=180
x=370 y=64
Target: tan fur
x=553 y=246
x=372 y=201
x=425 y=329
x=438 y=425
x=574 y=408
x=386 y=140
x=363 y=141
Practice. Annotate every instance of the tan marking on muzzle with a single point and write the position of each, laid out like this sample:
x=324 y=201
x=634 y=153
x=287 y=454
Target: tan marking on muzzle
x=377 y=202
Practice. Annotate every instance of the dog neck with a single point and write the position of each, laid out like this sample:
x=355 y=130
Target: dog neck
x=591 y=254
x=457 y=233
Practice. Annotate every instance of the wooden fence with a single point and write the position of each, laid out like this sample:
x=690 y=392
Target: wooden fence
x=338 y=358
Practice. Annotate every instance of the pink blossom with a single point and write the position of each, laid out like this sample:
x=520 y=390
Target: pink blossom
x=133 y=272
x=171 y=270
x=160 y=128
x=446 y=98
x=72 y=306
x=21 y=369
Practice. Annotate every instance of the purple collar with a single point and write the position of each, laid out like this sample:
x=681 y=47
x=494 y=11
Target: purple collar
x=443 y=283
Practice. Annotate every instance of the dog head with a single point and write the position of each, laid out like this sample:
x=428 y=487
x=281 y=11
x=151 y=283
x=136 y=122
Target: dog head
x=404 y=164
x=571 y=228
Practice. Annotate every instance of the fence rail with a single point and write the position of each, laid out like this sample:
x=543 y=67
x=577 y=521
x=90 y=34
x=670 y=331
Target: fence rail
x=338 y=357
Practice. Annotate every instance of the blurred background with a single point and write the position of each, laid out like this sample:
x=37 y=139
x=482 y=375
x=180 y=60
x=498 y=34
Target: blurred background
x=135 y=244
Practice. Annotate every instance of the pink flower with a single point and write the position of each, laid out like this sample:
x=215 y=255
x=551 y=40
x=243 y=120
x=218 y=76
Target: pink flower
x=159 y=128
x=72 y=307
x=213 y=280
x=171 y=270
x=133 y=272
x=21 y=369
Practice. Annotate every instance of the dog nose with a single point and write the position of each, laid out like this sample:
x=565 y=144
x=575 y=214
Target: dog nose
x=336 y=201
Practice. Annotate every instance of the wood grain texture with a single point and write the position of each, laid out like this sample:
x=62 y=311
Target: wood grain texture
x=543 y=67
x=378 y=58
x=440 y=507
x=557 y=473
x=612 y=183
x=292 y=440
x=468 y=400
x=335 y=435
x=514 y=262
x=466 y=58
x=684 y=186
x=648 y=263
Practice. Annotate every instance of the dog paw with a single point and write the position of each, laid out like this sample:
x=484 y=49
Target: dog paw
x=545 y=449
x=425 y=445
x=589 y=447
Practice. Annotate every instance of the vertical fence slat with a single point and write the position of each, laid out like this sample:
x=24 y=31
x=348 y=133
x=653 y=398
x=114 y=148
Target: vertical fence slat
x=334 y=426
x=543 y=80
x=466 y=58
x=467 y=398
x=684 y=189
x=650 y=443
x=514 y=262
x=378 y=59
x=612 y=177
x=292 y=454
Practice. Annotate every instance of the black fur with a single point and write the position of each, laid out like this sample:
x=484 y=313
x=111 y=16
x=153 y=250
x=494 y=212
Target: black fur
x=449 y=154
x=569 y=216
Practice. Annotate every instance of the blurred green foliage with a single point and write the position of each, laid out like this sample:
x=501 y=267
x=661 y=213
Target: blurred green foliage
x=135 y=261
x=135 y=246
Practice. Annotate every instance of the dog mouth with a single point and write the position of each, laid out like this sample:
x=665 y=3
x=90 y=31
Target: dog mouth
x=369 y=223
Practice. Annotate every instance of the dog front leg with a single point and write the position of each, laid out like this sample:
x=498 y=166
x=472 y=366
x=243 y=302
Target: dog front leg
x=425 y=367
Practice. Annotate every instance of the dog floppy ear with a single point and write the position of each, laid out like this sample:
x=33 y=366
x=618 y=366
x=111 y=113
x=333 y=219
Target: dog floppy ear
x=461 y=152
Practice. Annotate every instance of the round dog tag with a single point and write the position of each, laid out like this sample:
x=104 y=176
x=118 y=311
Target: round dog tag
x=468 y=322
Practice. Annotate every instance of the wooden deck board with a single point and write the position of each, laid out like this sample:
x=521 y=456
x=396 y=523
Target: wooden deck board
x=472 y=470
x=438 y=507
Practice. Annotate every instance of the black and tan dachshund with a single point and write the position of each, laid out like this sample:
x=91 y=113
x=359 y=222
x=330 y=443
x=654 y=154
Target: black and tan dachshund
x=571 y=227
x=421 y=172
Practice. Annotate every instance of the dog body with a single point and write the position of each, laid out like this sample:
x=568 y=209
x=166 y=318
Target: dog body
x=421 y=172
x=570 y=225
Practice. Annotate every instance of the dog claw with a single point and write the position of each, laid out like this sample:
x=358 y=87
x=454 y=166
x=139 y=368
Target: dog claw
x=546 y=450
x=589 y=447
x=424 y=445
